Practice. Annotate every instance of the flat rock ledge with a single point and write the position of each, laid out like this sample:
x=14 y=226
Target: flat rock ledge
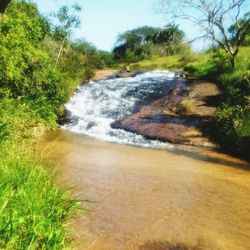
x=179 y=116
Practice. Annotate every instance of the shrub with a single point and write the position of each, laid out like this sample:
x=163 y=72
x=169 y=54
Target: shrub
x=211 y=68
x=232 y=128
x=107 y=58
x=236 y=84
x=201 y=70
x=17 y=120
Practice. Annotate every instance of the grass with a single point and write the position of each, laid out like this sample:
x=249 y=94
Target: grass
x=157 y=63
x=175 y=62
x=33 y=211
x=186 y=106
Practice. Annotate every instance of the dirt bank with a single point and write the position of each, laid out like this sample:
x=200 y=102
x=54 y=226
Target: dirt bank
x=179 y=117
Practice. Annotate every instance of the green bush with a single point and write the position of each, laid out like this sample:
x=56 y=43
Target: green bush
x=201 y=70
x=107 y=58
x=232 y=129
x=20 y=33
x=18 y=120
x=236 y=84
x=33 y=89
x=217 y=63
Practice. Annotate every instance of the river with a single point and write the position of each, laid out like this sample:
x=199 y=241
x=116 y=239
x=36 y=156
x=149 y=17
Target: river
x=144 y=194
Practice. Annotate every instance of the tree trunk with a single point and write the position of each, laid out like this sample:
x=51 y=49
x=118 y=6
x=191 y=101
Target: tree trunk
x=232 y=61
x=60 y=52
x=3 y=6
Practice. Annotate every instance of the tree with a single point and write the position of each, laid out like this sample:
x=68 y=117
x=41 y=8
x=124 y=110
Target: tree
x=68 y=20
x=89 y=52
x=214 y=18
x=23 y=63
x=169 y=38
x=233 y=31
x=3 y=6
x=142 y=42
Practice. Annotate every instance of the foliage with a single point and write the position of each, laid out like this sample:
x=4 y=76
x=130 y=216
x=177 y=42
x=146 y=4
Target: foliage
x=214 y=18
x=144 y=42
x=3 y=6
x=169 y=39
x=17 y=120
x=217 y=62
x=67 y=19
x=236 y=85
x=171 y=62
x=233 y=30
x=33 y=211
x=166 y=62
x=89 y=53
x=231 y=127
x=107 y=58
x=20 y=33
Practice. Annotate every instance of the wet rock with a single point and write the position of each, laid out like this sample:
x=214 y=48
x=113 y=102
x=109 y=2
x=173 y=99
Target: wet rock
x=67 y=118
x=124 y=74
x=160 y=120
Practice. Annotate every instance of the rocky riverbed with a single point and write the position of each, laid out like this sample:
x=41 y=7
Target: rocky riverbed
x=179 y=117
x=177 y=112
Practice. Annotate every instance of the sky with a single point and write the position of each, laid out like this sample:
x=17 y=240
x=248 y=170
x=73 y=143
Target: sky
x=103 y=20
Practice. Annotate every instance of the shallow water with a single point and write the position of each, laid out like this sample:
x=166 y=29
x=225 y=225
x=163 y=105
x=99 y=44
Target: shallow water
x=141 y=198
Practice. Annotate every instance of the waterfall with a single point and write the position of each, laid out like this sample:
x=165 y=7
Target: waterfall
x=97 y=104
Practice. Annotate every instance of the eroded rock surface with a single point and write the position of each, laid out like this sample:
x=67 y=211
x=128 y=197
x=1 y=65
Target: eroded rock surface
x=178 y=117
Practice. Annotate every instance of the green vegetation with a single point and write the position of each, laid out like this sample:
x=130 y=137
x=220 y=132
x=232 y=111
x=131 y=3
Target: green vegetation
x=145 y=42
x=166 y=62
x=226 y=23
x=231 y=127
x=40 y=68
x=171 y=62
x=33 y=211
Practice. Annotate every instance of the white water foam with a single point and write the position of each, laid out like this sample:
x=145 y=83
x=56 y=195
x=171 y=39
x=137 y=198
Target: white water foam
x=96 y=105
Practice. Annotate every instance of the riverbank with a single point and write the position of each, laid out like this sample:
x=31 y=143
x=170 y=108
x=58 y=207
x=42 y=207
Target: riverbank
x=152 y=199
x=34 y=211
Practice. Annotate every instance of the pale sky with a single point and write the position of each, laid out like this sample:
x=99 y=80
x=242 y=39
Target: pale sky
x=103 y=20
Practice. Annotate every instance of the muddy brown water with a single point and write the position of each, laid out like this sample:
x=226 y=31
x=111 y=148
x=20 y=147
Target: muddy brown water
x=142 y=198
